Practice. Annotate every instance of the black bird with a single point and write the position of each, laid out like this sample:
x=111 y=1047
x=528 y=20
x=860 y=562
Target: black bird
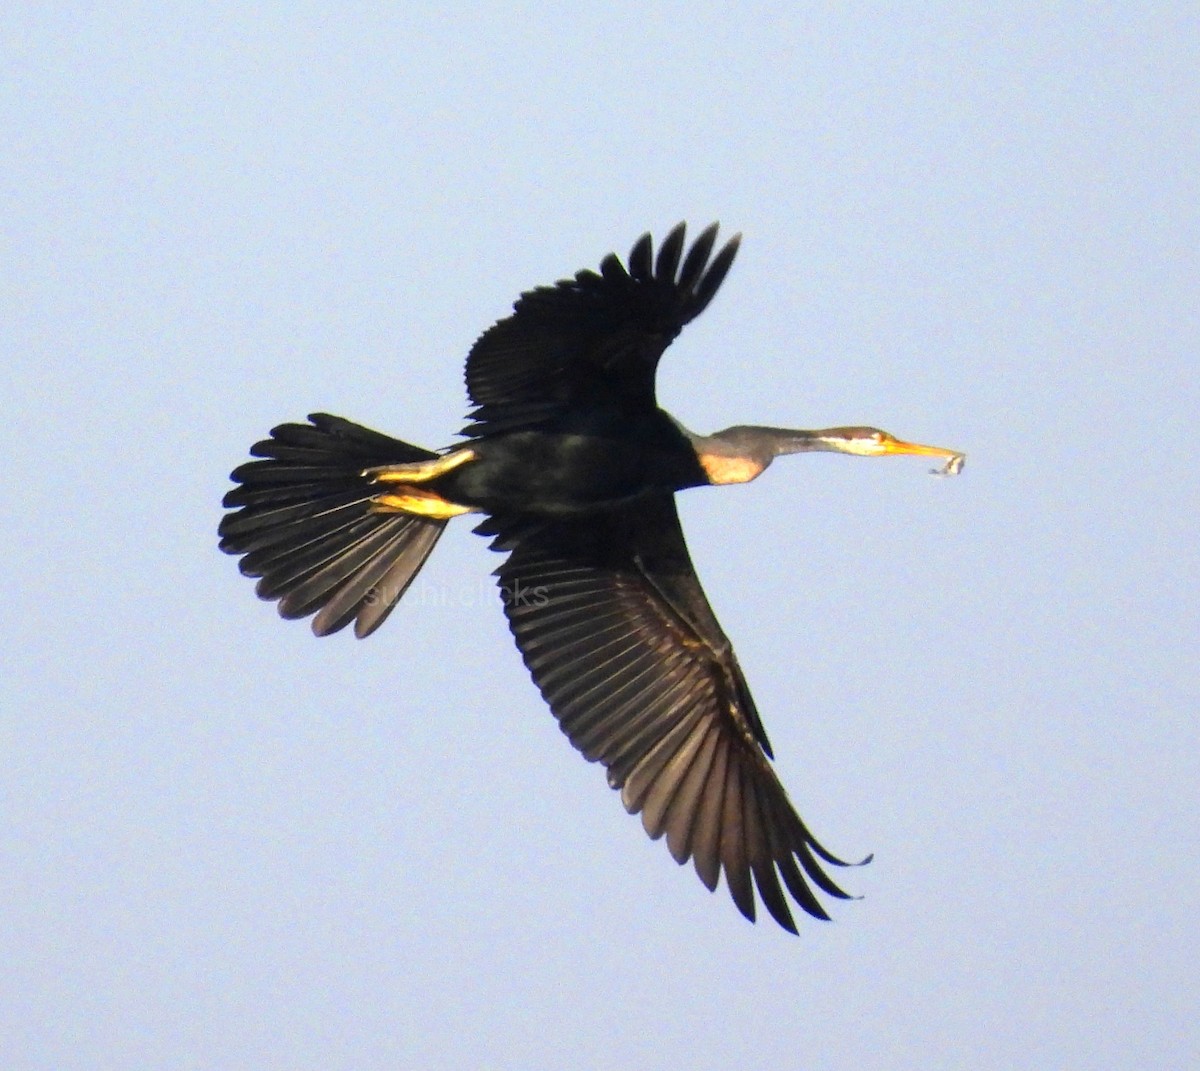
x=575 y=468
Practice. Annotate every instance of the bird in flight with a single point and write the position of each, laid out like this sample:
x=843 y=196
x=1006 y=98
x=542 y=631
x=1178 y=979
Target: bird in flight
x=574 y=469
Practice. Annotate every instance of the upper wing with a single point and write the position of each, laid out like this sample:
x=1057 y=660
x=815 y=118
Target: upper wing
x=594 y=339
x=619 y=637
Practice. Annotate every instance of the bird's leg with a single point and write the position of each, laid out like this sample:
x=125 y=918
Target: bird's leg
x=408 y=498
x=420 y=471
x=416 y=502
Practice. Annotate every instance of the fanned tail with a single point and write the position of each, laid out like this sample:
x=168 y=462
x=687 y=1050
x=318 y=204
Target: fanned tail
x=304 y=524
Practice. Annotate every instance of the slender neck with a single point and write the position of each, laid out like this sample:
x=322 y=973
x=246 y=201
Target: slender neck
x=802 y=441
x=740 y=453
x=767 y=443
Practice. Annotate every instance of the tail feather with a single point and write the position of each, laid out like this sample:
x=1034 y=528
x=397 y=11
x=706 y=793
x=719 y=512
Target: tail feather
x=288 y=563
x=284 y=494
x=303 y=524
x=325 y=511
x=357 y=562
x=367 y=596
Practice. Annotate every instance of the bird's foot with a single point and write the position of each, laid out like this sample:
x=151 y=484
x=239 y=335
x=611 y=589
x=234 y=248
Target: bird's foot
x=415 y=502
x=419 y=471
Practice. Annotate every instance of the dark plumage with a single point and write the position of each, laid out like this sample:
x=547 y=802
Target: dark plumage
x=304 y=524
x=575 y=467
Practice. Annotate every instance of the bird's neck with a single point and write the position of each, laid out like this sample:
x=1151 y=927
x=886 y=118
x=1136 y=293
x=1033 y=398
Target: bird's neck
x=724 y=460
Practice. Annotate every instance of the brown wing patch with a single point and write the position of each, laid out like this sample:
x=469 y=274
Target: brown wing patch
x=620 y=640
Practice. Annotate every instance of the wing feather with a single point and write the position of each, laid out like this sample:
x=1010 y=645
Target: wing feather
x=682 y=818
x=733 y=842
x=660 y=792
x=594 y=338
x=618 y=636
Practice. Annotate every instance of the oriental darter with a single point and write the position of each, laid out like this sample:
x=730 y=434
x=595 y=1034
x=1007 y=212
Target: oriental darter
x=574 y=467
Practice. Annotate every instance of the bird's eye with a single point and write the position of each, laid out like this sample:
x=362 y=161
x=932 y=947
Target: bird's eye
x=878 y=436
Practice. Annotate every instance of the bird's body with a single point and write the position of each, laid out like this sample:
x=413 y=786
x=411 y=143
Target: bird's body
x=575 y=468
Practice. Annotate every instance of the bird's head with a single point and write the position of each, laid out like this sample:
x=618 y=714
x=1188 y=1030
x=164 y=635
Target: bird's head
x=868 y=442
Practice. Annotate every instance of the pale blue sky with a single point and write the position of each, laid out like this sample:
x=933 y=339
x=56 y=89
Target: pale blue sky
x=226 y=844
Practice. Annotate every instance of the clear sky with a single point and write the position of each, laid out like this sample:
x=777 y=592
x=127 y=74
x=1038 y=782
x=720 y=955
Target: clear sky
x=226 y=844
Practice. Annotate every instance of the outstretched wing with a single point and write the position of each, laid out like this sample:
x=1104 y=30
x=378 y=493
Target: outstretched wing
x=623 y=645
x=593 y=340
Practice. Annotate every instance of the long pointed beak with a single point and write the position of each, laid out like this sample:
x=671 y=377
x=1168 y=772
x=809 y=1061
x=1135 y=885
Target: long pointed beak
x=954 y=458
